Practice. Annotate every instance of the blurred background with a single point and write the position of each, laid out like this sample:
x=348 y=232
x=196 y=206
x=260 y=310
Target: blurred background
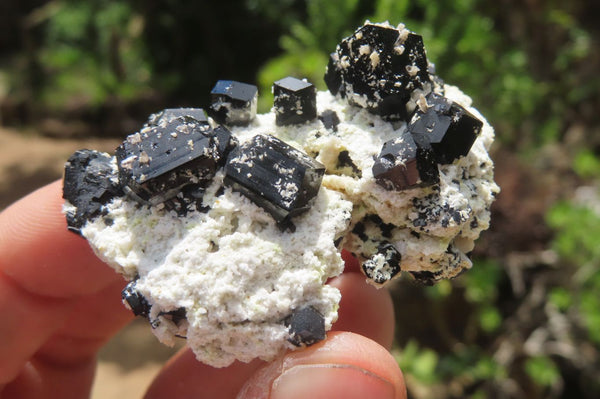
x=523 y=323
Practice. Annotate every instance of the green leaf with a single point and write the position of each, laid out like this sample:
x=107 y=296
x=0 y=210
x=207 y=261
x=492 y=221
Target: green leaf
x=542 y=370
x=489 y=319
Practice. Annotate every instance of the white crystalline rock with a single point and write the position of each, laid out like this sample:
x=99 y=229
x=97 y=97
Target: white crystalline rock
x=238 y=275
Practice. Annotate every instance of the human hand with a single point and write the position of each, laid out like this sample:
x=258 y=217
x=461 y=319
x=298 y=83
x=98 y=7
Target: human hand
x=59 y=304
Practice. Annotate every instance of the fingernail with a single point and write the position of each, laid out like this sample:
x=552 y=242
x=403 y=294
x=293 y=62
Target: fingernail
x=330 y=381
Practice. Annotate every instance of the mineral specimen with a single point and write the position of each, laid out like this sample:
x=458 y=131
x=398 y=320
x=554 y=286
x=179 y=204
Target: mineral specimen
x=136 y=302
x=380 y=68
x=403 y=164
x=275 y=176
x=228 y=227
x=295 y=101
x=447 y=127
x=89 y=184
x=306 y=325
x=157 y=162
x=233 y=103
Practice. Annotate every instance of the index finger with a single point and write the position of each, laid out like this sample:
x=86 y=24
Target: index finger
x=58 y=300
x=41 y=255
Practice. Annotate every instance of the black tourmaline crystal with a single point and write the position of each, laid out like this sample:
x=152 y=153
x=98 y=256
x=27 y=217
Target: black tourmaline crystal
x=403 y=164
x=449 y=128
x=379 y=68
x=330 y=120
x=383 y=265
x=295 y=101
x=306 y=326
x=233 y=103
x=136 y=301
x=90 y=182
x=156 y=163
x=275 y=176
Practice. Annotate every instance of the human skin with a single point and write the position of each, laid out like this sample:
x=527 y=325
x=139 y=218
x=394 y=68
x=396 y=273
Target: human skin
x=60 y=304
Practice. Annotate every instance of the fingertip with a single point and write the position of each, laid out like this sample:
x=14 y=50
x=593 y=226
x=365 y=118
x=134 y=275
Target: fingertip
x=364 y=309
x=345 y=365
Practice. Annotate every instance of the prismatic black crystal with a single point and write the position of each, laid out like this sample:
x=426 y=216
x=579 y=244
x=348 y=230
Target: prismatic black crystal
x=135 y=300
x=233 y=103
x=403 y=164
x=156 y=163
x=380 y=68
x=306 y=326
x=383 y=265
x=447 y=127
x=90 y=182
x=275 y=176
x=295 y=101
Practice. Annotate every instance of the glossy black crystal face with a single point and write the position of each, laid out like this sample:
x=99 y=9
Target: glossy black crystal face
x=90 y=182
x=378 y=68
x=295 y=101
x=135 y=300
x=404 y=164
x=233 y=103
x=383 y=265
x=449 y=128
x=157 y=162
x=306 y=326
x=277 y=177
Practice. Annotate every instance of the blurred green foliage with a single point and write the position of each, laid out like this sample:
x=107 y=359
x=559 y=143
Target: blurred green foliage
x=92 y=52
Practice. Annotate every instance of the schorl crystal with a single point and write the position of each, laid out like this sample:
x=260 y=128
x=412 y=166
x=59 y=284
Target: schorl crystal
x=330 y=120
x=448 y=127
x=156 y=163
x=90 y=182
x=383 y=265
x=403 y=164
x=295 y=101
x=275 y=176
x=306 y=326
x=136 y=301
x=379 y=68
x=233 y=103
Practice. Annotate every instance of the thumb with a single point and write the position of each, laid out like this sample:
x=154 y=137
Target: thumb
x=346 y=365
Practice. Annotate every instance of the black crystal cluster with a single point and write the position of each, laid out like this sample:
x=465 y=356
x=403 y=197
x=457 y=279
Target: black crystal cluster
x=175 y=156
x=89 y=184
x=177 y=149
x=385 y=70
x=379 y=68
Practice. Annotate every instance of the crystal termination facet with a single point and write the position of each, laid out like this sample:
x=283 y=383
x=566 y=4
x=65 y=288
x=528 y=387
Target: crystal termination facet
x=448 y=127
x=295 y=101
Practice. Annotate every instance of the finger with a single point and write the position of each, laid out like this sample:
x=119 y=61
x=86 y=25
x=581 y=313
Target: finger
x=53 y=291
x=41 y=256
x=346 y=365
x=364 y=309
x=185 y=377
